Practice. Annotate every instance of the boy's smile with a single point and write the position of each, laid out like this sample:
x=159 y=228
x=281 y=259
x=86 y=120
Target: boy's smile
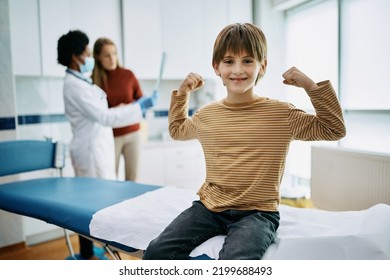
x=238 y=80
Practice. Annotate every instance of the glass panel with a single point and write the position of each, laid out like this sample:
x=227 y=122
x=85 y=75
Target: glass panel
x=367 y=130
x=365 y=55
x=312 y=47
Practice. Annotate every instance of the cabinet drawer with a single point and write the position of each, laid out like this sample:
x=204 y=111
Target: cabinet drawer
x=179 y=153
x=151 y=167
x=186 y=184
x=181 y=170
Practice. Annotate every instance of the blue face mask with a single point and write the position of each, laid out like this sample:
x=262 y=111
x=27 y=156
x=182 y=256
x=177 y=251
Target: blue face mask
x=88 y=65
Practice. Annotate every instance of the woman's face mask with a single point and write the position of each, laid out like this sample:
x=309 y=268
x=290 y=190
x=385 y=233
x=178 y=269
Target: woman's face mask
x=88 y=65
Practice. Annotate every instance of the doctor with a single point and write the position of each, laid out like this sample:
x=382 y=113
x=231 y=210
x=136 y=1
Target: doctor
x=92 y=148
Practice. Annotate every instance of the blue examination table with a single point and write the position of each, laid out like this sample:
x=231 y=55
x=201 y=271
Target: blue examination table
x=66 y=202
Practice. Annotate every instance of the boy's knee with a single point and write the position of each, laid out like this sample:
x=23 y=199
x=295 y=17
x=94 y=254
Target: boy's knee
x=157 y=251
x=151 y=252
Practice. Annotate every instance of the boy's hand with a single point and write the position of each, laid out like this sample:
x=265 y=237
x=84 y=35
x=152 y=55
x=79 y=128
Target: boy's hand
x=192 y=82
x=294 y=77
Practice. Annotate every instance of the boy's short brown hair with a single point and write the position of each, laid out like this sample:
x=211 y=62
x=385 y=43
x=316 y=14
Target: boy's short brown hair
x=238 y=37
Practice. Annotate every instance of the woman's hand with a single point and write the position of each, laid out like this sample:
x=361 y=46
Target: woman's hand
x=294 y=77
x=191 y=83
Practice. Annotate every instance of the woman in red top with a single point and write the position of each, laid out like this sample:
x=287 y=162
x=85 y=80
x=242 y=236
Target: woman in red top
x=122 y=87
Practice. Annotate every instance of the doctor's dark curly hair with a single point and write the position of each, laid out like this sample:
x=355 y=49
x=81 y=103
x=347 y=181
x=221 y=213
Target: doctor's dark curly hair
x=74 y=42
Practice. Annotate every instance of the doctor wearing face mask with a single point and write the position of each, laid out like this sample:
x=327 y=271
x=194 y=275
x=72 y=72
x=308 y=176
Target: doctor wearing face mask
x=92 y=148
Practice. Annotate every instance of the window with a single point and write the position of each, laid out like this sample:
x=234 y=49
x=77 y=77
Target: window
x=346 y=41
x=365 y=72
x=312 y=47
x=365 y=57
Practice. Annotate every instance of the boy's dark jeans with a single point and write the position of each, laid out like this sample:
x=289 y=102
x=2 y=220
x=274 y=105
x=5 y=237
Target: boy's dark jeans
x=249 y=234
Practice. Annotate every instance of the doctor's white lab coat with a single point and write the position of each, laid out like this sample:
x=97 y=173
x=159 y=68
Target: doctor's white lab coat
x=92 y=147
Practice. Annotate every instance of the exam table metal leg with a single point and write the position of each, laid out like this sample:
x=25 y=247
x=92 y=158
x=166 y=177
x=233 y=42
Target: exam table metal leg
x=69 y=244
x=114 y=254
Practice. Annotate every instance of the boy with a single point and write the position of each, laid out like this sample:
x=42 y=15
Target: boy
x=245 y=139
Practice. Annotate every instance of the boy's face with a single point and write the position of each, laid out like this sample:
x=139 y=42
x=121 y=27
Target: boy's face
x=239 y=72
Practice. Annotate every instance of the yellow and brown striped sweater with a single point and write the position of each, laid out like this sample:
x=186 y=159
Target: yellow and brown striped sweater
x=245 y=145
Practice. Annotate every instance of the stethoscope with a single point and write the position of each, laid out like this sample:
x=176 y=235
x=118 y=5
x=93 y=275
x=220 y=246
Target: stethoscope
x=79 y=75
